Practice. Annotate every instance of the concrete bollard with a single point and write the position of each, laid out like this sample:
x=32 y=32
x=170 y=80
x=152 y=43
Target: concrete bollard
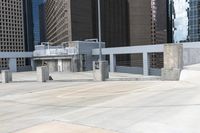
x=42 y=74
x=6 y=76
x=100 y=70
x=173 y=62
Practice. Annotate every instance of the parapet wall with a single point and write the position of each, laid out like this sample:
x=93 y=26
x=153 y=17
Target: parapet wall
x=191 y=56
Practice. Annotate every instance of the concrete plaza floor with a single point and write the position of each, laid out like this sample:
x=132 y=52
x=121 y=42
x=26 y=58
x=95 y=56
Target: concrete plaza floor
x=73 y=103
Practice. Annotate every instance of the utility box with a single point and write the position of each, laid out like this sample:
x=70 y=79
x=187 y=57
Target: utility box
x=76 y=56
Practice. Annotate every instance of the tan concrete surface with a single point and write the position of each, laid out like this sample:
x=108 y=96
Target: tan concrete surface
x=121 y=106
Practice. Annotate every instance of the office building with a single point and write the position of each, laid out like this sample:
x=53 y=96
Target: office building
x=16 y=30
x=114 y=21
x=159 y=32
x=68 y=20
x=42 y=21
x=148 y=21
x=12 y=37
x=28 y=25
x=36 y=20
x=114 y=25
x=140 y=26
x=148 y=25
x=185 y=20
x=32 y=21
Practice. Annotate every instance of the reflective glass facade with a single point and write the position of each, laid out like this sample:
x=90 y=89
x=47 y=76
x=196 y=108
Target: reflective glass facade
x=185 y=20
x=36 y=21
x=194 y=21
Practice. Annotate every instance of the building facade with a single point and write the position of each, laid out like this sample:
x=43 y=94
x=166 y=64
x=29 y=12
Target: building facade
x=148 y=25
x=114 y=21
x=12 y=37
x=36 y=20
x=114 y=25
x=185 y=20
x=28 y=25
x=124 y=23
x=68 y=20
x=16 y=30
x=42 y=20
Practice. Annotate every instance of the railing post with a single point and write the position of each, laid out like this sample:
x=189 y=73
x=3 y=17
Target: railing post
x=13 y=64
x=112 y=62
x=145 y=64
x=32 y=64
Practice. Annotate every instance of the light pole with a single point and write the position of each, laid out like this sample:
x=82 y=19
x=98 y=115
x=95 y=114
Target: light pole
x=99 y=23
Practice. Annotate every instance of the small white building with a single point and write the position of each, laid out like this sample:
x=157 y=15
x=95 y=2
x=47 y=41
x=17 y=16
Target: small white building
x=74 y=56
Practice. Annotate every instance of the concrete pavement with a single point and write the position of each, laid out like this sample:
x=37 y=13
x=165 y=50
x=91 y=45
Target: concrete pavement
x=61 y=127
x=112 y=106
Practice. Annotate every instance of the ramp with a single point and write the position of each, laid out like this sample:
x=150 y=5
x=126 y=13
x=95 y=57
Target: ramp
x=191 y=74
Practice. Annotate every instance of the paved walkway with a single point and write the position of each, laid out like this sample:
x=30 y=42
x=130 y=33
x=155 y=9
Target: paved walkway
x=112 y=106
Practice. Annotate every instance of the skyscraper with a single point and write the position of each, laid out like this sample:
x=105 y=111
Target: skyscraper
x=42 y=20
x=115 y=25
x=140 y=22
x=185 y=19
x=36 y=20
x=114 y=20
x=68 y=20
x=16 y=29
x=148 y=25
x=12 y=37
x=28 y=25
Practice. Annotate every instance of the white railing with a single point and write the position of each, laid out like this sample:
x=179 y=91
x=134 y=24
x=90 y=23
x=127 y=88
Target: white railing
x=55 y=52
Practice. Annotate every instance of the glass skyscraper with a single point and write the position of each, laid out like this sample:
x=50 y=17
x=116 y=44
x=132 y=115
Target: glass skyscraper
x=36 y=21
x=185 y=16
x=194 y=20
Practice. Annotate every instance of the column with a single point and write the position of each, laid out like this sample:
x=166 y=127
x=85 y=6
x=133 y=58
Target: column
x=173 y=62
x=145 y=64
x=32 y=64
x=13 y=64
x=112 y=63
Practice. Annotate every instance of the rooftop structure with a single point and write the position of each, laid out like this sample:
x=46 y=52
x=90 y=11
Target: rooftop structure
x=72 y=56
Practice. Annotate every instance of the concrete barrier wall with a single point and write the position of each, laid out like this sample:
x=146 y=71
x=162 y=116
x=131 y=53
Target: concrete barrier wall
x=20 y=69
x=191 y=56
x=24 y=68
x=155 y=71
x=133 y=70
x=137 y=70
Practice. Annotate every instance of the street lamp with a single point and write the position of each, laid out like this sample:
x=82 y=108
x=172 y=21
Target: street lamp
x=99 y=23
